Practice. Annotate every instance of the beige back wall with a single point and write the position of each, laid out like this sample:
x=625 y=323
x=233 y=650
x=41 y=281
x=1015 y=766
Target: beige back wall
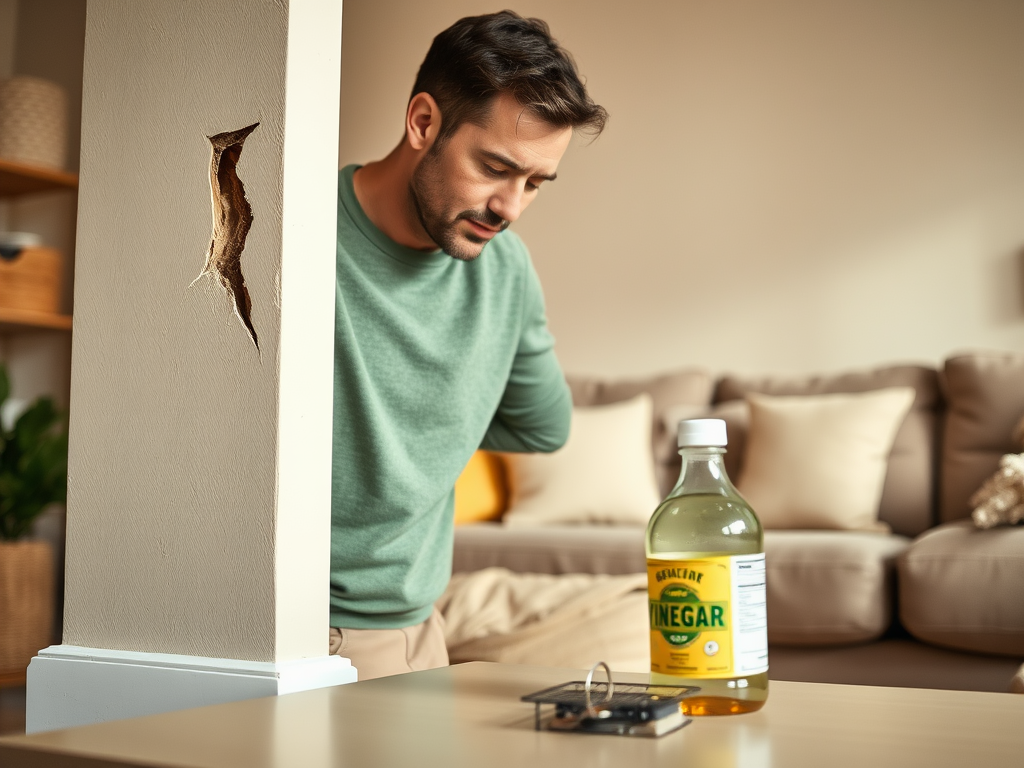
x=783 y=186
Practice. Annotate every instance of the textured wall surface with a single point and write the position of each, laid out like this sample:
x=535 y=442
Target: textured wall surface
x=783 y=186
x=198 y=518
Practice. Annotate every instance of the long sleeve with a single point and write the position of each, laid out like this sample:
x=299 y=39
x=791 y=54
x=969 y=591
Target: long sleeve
x=535 y=410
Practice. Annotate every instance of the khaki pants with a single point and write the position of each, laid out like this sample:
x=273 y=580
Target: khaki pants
x=384 y=652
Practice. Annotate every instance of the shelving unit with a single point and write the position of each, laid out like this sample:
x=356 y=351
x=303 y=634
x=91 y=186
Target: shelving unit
x=17 y=179
x=16 y=319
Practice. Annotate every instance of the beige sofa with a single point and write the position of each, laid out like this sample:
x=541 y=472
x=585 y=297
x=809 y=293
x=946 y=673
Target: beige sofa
x=935 y=603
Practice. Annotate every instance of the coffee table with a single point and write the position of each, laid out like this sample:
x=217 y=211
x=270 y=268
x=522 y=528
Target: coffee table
x=470 y=715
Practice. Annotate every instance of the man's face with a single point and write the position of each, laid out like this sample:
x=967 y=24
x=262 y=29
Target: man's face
x=483 y=177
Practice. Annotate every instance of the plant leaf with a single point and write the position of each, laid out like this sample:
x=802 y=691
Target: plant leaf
x=33 y=465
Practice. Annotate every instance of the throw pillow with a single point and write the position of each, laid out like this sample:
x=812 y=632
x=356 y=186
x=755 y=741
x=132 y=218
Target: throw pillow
x=1017 y=684
x=603 y=474
x=1000 y=501
x=819 y=461
x=481 y=492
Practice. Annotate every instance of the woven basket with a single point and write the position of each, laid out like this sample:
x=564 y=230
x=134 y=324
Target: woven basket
x=26 y=603
x=33 y=122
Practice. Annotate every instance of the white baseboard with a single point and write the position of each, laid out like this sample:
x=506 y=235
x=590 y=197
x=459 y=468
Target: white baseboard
x=69 y=685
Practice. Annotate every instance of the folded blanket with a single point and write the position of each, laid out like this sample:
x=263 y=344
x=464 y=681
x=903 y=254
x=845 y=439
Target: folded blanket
x=571 y=620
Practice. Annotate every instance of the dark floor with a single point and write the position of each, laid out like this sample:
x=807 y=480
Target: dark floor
x=12 y=710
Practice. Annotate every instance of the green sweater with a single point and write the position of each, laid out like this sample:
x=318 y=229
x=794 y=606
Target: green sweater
x=433 y=358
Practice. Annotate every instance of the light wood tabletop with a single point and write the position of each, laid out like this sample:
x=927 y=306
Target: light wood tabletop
x=470 y=715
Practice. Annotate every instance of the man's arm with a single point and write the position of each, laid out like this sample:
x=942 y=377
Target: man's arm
x=536 y=409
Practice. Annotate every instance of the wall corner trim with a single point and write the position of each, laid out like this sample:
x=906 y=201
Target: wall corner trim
x=70 y=685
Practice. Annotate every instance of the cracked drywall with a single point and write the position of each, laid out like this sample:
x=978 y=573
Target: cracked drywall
x=232 y=218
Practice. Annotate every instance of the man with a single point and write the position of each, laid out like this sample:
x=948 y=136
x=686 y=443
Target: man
x=442 y=344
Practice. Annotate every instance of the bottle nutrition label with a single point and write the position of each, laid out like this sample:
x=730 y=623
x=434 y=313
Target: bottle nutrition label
x=749 y=614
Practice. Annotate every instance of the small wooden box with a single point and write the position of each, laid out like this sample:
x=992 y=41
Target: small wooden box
x=31 y=281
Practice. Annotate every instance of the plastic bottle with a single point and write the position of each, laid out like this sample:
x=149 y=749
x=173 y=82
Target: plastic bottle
x=706 y=583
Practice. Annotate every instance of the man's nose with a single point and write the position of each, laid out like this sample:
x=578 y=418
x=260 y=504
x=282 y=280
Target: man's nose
x=508 y=203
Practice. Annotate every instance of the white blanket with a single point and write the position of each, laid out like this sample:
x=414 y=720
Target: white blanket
x=572 y=620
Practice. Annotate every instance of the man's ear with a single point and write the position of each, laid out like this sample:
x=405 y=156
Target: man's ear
x=422 y=121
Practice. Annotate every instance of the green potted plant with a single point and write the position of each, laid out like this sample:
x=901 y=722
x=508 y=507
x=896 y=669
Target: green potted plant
x=33 y=475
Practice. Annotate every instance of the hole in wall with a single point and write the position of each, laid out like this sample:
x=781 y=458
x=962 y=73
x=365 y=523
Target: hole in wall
x=232 y=218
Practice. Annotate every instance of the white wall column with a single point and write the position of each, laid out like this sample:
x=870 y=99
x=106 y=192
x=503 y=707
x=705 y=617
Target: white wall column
x=199 y=481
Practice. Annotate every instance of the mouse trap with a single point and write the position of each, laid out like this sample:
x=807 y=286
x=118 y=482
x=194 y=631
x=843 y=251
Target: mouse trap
x=623 y=709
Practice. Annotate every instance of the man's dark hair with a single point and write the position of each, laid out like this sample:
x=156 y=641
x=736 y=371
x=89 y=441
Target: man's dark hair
x=480 y=57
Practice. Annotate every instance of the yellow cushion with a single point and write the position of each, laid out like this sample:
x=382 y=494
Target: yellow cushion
x=481 y=492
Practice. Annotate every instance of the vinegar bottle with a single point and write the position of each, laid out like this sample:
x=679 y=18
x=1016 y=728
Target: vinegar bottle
x=706 y=583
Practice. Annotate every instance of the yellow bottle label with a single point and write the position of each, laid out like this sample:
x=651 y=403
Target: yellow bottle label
x=707 y=616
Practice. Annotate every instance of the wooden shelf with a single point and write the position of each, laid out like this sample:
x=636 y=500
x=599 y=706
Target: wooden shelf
x=12 y=679
x=24 y=319
x=19 y=179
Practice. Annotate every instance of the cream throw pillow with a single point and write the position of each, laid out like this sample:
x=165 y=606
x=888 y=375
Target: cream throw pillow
x=819 y=461
x=603 y=474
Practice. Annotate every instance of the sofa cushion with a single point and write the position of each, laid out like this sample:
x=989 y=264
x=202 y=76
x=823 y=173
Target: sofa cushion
x=603 y=474
x=552 y=549
x=829 y=587
x=985 y=394
x=687 y=387
x=736 y=415
x=481 y=491
x=824 y=587
x=960 y=587
x=907 y=501
x=819 y=461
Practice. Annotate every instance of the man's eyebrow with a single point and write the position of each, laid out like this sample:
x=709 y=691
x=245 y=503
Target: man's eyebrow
x=509 y=162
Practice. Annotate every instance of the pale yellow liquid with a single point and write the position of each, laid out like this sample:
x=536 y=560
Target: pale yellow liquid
x=694 y=527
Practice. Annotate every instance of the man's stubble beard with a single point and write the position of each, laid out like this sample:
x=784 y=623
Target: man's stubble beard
x=428 y=193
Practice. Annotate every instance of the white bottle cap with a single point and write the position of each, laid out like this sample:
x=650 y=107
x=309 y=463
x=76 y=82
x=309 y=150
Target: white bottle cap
x=694 y=432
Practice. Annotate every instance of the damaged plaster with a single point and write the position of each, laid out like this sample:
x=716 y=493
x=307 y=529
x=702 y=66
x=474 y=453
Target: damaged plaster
x=232 y=218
